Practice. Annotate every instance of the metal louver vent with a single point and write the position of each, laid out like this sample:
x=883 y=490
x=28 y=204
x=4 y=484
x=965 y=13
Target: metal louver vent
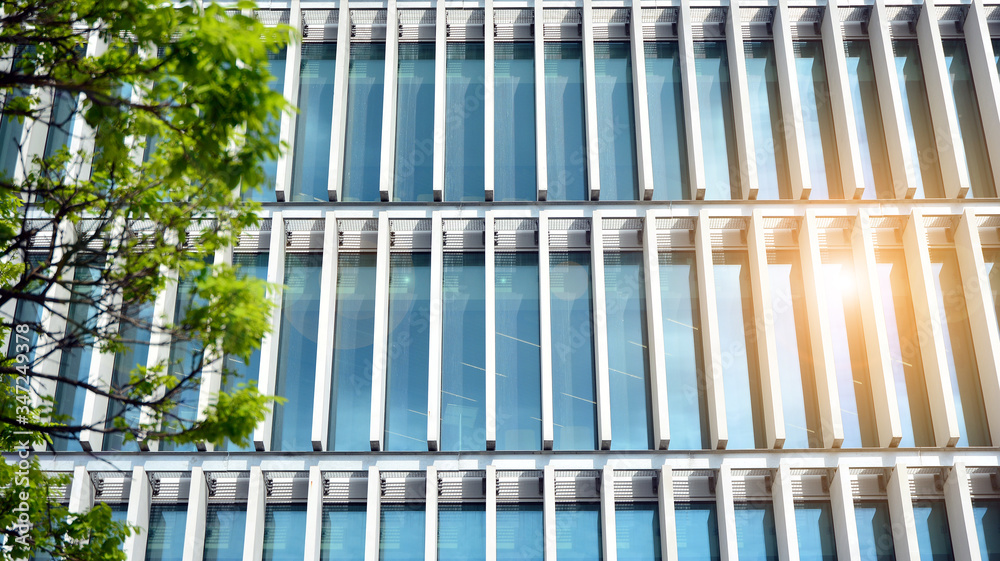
x=254 y=240
x=636 y=484
x=60 y=493
x=510 y=234
x=675 y=232
x=303 y=236
x=228 y=486
x=272 y=18
x=357 y=234
x=811 y=483
x=622 y=233
x=806 y=22
x=563 y=23
x=751 y=484
x=409 y=234
x=170 y=487
x=345 y=486
x=694 y=484
x=612 y=24
x=854 y=21
x=869 y=483
x=465 y=25
x=111 y=486
x=757 y=22
x=659 y=23
x=572 y=485
x=519 y=486
x=368 y=25
x=403 y=486
x=708 y=23
x=510 y=24
x=286 y=486
x=42 y=236
x=416 y=25
x=319 y=26
x=463 y=233
x=984 y=482
x=902 y=20
x=456 y=486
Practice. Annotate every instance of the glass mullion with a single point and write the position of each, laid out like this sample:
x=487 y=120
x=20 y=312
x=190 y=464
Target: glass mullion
x=284 y=532
x=868 y=119
x=276 y=63
x=970 y=122
x=768 y=124
x=363 y=145
x=566 y=153
x=342 y=532
x=465 y=123
x=514 y=122
x=666 y=121
x=314 y=125
x=817 y=120
x=414 y=163
x=463 y=354
x=616 y=122
x=917 y=116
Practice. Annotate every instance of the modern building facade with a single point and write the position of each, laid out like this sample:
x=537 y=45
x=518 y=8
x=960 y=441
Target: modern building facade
x=603 y=280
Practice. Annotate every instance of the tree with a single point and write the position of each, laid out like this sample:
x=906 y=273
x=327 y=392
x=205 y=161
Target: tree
x=129 y=129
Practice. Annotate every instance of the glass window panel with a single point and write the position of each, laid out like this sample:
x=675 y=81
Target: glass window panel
x=29 y=312
x=814 y=527
x=518 y=358
x=134 y=335
x=628 y=363
x=697 y=531
x=961 y=357
x=768 y=124
x=666 y=122
x=756 y=539
x=850 y=360
x=314 y=124
x=566 y=153
x=616 y=122
x=715 y=108
x=874 y=531
x=284 y=532
x=465 y=123
x=514 y=122
x=791 y=334
x=353 y=338
x=276 y=63
x=578 y=532
x=60 y=123
x=987 y=515
x=415 y=123
x=519 y=532
x=363 y=146
x=225 y=530
x=409 y=350
x=462 y=532
x=252 y=265
x=686 y=399
x=295 y=378
x=738 y=343
x=817 y=120
x=970 y=122
x=637 y=530
x=933 y=534
x=904 y=351
x=573 y=392
x=868 y=119
x=343 y=532
x=991 y=266
x=165 y=541
x=11 y=129
x=917 y=114
x=401 y=532
x=996 y=53
x=463 y=355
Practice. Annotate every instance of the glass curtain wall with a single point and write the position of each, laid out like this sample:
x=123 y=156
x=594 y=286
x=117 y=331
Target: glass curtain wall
x=566 y=152
x=814 y=529
x=461 y=532
x=637 y=530
x=10 y=127
x=917 y=115
x=463 y=356
x=697 y=531
x=353 y=344
x=465 y=123
x=363 y=143
x=276 y=63
x=715 y=108
x=514 y=173
x=874 y=530
x=616 y=122
x=987 y=515
x=933 y=532
x=165 y=538
x=414 y=173
x=295 y=378
x=666 y=121
x=314 y=125
x=578 y=532
x=768 y=123
x=225 y=532
x=868 y=119
x=970 y=122
x=519 y=532
x=817 y=120
x=401 y=532
x=133 y=332
x=756 y=537
x=60 y=123
x=284 y=532
x=343 y=530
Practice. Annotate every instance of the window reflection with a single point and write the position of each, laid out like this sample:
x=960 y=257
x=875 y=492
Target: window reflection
x=874 y=530
x=917 y=115
x=933 y=533
x=817 y=120
x=284 y=532
x=715 y=108
x=518 y=358
x=987 y=515
x=314 y=125
x=756 y=537
x=768 y=123
x=697 y=528
x=276 y=63
x=165 y=540
x=363 y=144
x=970 y=122
x=666 y=121
x=415 y=123
x=814 y=528
x=461 y=532
x=578 y=532
x=463 y=354
x=566 y=153
x=514 y=122
x=133 y=332
x=225 y=530
x=401 y=532
x=519 y=532
x=868 y=119
x=408 y=351
x=465 y=123
x=637 y=530
x=343 y=531
x=616 y=122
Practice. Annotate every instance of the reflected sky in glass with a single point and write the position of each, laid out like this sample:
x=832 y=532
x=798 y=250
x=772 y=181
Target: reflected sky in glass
x=817 y=120
x=463 y=354
x=514 y=122
x=311 y=152
x=415 y=123
x=284 y=532
x=868 y=119
x=917 y=116
x=715 y=108
x=363 y=144
x=408 y=351
x=666 y=121
x=465 y=123
x=697 y=530
x=615 y=122
x=566 y=154
x=518 y=352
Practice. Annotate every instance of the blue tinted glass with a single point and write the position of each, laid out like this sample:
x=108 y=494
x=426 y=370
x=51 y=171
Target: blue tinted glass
x=697 y=530
x=463 y=356
x=987 y=515
x=637 y=531
x=465 y=123
x=60 y=123
x=578 y=532
x=566 y=155
x=10 y=139
x=276 y=63
x=849 y=357
x=616 y=122
x=518 y=362
x=343 y=532
x=295 y=378
x=686 y=400
x=225 y=529
x=29 y=313
x=285 y=532
x=461 y=532
x=996 y=52
x=959 y=354
x=755 y=532
x=165 y=541
x=134 y=335
x=814 y=526
x=970 y=122
x=252 y=265
x=933 y=534
x=874 y=531
x=353 y=336
x=628 y=363
x=409 y=350
x=574 y=407
x=363 y=146
x=765 y=114
x=738 y=344
x=401 y=533
x=514 y=122
x=917 y=115
x=868 y=119
x=666 y=122
x=791 y=335
x=415 y=123
x=314 y=125
x=904 y=354
x=519 y=532
x=817 y=120
x=715 y=108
